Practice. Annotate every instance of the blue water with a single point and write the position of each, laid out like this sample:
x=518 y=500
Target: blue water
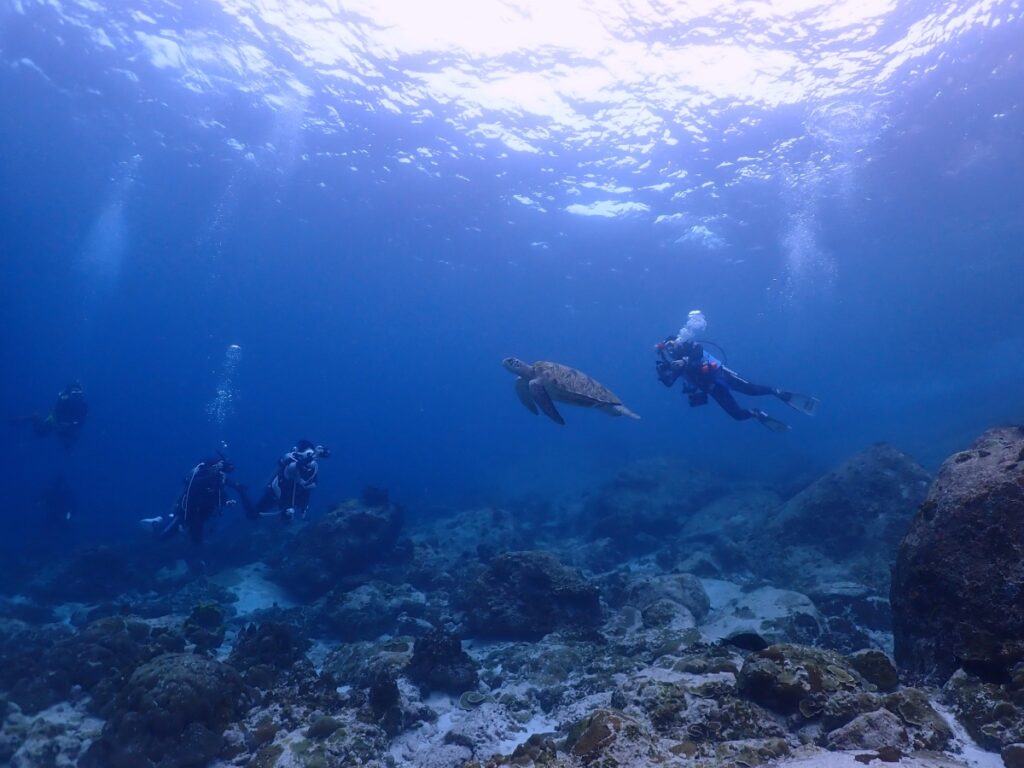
x=377 y=204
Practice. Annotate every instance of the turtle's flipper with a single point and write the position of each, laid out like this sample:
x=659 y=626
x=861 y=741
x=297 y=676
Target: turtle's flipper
x=543 y=401
x=523 y=392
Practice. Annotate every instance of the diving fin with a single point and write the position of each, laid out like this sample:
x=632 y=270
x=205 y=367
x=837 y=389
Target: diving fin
x=773 y=424
x=146 y=523
x=803 y=403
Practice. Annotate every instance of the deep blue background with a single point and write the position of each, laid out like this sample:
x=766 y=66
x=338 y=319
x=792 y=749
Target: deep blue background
x=373 y=311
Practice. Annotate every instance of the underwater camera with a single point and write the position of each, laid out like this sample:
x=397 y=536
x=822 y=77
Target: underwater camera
x=697 y=398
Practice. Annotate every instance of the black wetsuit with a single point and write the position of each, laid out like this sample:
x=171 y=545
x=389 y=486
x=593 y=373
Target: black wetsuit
x=289 y=490
x=202 y=498
x=65 y=419
x=704 y=375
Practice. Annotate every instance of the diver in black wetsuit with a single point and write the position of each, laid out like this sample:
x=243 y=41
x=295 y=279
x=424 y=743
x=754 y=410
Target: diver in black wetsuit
x=704 y=375
x=202 y=499
x=65 y=419
x=290 y=488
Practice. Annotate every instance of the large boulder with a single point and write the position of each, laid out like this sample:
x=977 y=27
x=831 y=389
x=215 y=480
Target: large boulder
x=172 y=713
x=958 y=584
x=526 y=595
x=846 y=525
x=344 y=542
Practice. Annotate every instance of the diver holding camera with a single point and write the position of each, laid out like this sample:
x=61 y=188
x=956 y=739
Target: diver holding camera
x=291 y=487
x=704 y=375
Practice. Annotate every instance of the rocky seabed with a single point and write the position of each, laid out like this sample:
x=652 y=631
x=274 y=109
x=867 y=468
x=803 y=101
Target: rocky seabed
x=670 y=618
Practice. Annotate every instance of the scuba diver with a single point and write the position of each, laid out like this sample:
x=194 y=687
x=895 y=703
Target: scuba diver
x=202 y=499
x=292 y=484
x=681 y=356
x=65 y=419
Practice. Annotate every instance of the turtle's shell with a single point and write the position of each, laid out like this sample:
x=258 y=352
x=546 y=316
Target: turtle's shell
x=575 y=386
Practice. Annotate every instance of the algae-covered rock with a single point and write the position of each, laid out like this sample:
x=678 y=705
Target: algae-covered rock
x=664 y=703
x=322 y=727
x=439 y=664
x=268 y=643
x=205 y=627
x=98 y=659
x=872 y=730
x=681 y=589
x=877 y=668
x=608 y=738
x=526 y=595
x=793 y=678
x=749 y=752
x=350 y=663
x=1013 y=755
x=927 y=728
x=171 y=713
x=370 y=610
x=844 y=706
x=992 y=713
x=343 y=542
x=726 y=717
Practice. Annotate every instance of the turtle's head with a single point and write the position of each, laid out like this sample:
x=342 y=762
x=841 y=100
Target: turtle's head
x=517 y=366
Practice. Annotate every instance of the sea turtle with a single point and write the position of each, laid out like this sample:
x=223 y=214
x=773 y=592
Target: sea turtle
x=542 y=383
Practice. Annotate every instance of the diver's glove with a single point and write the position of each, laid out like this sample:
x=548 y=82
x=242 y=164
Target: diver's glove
x=323 y=453
x=666 y=375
